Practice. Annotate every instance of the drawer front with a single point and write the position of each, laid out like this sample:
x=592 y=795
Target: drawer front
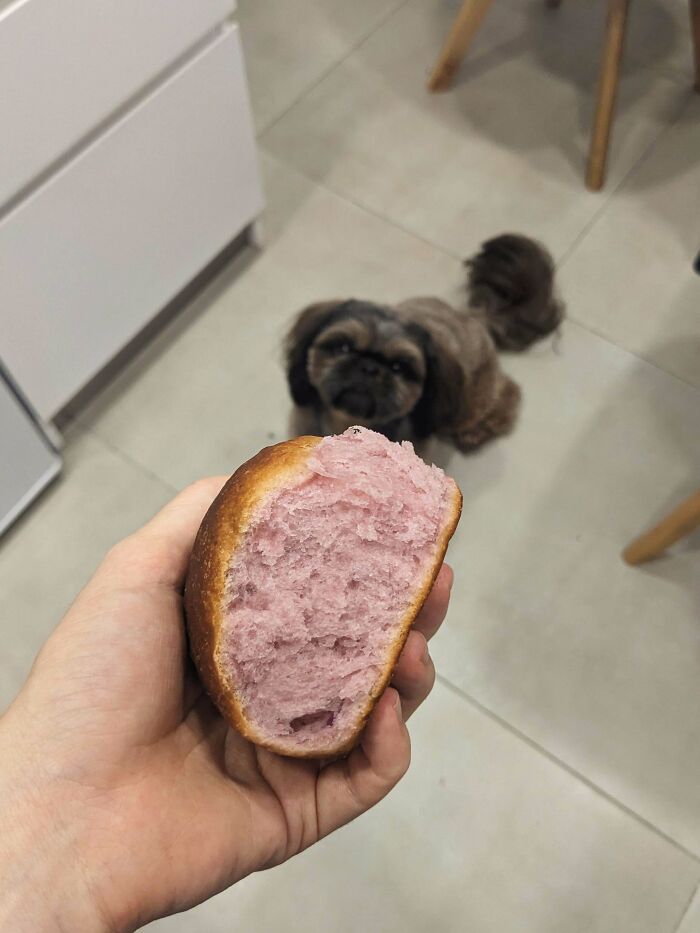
x=27 y=462
x=66 y=65
x=89 y=258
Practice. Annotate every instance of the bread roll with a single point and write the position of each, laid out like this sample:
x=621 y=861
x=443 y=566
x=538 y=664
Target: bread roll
x=306 y=575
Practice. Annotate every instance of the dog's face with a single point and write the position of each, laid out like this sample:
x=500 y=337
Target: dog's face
x=362 y=363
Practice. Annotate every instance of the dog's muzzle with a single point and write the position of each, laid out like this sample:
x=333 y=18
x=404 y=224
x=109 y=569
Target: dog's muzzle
x=356 y=401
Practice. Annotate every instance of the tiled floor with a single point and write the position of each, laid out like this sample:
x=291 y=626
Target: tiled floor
x=555 y=786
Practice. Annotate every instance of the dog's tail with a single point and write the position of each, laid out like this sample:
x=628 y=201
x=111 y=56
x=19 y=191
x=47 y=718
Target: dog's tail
x=511 y=286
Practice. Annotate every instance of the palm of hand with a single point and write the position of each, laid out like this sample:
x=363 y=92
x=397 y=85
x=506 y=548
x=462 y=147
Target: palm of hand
x=175 y=805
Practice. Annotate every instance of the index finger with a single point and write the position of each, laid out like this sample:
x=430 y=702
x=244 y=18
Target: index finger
x=158 y=553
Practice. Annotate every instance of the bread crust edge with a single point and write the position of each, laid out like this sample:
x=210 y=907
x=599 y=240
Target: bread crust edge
x=221 y=533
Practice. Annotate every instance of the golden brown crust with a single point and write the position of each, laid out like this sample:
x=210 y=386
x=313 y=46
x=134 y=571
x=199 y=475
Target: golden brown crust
x=220 y=534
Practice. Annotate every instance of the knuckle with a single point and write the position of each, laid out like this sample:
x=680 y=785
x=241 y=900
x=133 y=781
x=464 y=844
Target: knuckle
x=402 y=764
x=120 y=551
x=206 y=486
x=430 y=676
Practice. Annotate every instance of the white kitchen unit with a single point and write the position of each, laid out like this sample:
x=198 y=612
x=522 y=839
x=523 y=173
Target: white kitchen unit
x=68 y=65
x=28 y=462
x=127 y=164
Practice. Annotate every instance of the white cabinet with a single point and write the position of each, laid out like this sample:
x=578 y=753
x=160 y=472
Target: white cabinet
x=127 y=163
x=95 y=252
x=67 y=65
x=27 y=461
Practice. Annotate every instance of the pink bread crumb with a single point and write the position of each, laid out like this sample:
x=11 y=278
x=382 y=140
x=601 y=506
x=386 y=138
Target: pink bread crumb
x=317 y=593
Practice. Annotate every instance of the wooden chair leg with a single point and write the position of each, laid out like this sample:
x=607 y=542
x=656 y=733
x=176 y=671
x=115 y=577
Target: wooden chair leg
x=695 y=33
x=464 y=28
x=679 y=524
x=607 y=91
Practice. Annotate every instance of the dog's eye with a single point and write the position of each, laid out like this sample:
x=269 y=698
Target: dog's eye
x=336 y=346
x=404 y=368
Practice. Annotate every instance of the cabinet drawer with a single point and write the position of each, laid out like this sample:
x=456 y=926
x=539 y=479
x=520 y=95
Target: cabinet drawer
x=89 y=258
x=66 y=65
x=27 y=462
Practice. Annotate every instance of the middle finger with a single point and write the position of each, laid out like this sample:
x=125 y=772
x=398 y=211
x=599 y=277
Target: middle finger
x=414 y=674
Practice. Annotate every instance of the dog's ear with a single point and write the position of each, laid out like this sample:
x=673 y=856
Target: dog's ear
x=308 y=325
x=443 y=402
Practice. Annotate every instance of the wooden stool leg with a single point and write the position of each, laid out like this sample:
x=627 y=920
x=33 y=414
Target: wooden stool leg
x=463 y=31
x=695 y=33
x=607 y=91
x=684 y=519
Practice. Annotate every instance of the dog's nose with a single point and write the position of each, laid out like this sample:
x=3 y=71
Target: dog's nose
x=369 y=367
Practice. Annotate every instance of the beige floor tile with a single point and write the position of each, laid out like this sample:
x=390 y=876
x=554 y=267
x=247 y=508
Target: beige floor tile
x=203 y=399
x=52 y=551
x=504 y=149
x=596 y=661
x=290 y=44
x=659 y=32
x=484 y=835
x=691 y=921
x=631 y=277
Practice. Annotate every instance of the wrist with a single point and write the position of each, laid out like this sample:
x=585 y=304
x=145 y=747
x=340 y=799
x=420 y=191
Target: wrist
x=43 y=886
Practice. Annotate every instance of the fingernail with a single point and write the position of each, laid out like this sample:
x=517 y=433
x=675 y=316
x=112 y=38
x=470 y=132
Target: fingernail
x=425 y=657
x=451 y=580
x=397 y=707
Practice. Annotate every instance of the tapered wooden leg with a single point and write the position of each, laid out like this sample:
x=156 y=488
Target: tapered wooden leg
x=607 y=91
x=679 y=524
x=695 y=32
x=464 y=28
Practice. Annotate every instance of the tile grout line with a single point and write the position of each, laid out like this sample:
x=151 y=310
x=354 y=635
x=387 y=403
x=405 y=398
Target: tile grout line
x=323 y=186
x=559 y=264
x=463 y=695
x=566 y=256
x=686 y=909
x=646 y=153
x=446 y=252
x=123 y=456
x=550 y=756
x=331 y=68
x=632 y=353
x=669 y=73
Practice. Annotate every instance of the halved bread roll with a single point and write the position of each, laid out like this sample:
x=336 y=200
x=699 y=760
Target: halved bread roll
x=305 y=578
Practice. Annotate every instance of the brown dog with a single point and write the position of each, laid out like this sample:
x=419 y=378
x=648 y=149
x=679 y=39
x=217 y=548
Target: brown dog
x=422 y=368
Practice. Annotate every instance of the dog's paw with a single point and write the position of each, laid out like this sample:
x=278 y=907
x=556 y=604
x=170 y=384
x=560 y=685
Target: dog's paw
x=471 y=439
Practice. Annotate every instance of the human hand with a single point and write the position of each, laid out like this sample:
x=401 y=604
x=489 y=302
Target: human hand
x=124 y=796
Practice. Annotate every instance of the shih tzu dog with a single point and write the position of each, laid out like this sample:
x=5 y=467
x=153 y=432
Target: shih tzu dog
x=422 y=368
